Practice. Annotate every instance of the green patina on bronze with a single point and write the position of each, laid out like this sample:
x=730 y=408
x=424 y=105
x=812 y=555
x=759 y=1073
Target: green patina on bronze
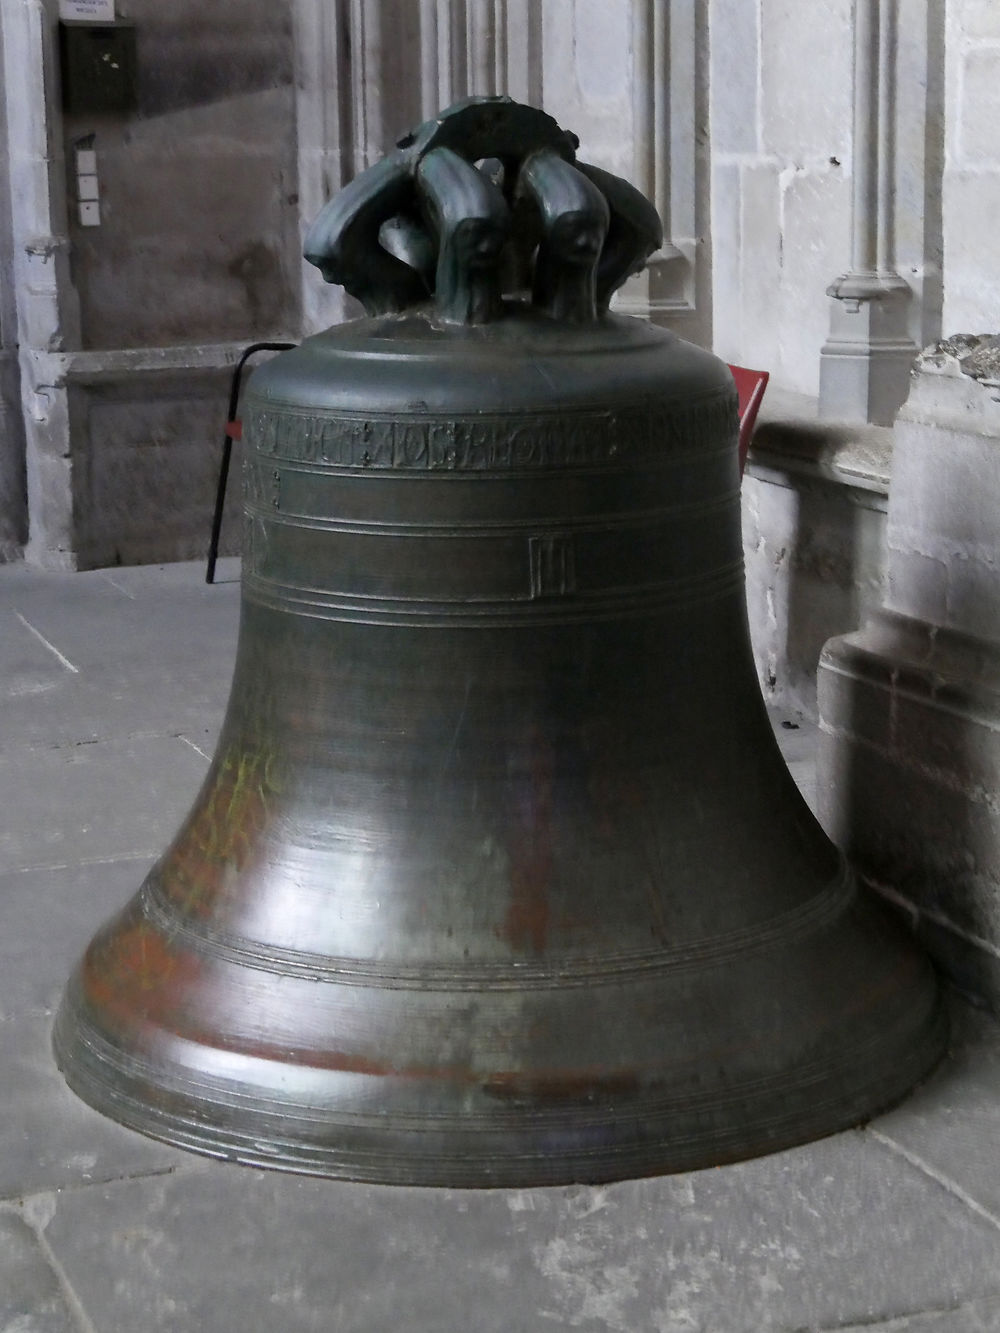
x=498 y=877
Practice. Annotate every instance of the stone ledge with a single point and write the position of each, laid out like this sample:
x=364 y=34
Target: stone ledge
x=790 y=439
x=112 y=365
x=953 y=672
x=956 y=386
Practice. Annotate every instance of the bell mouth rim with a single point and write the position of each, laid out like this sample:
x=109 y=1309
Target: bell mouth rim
x=613 y=1143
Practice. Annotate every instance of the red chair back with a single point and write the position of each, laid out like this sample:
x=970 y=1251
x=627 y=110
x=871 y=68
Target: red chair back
x=750 y=386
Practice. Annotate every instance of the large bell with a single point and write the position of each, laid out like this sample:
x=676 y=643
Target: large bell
x=498 y=876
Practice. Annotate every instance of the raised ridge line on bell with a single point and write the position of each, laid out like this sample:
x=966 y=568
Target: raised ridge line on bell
x=612 y=968
x=260 y=501
x=576 y=608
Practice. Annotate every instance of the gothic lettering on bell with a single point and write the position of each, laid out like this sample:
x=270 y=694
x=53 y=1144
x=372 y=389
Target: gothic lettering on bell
x=489 y=444
x=311 y=437
x=527 y=442
x=442 y=446
x=473 y=449
x=252 y=485
x=263 y=432
x=494 y=441
x=331 y=443
x=410 y=445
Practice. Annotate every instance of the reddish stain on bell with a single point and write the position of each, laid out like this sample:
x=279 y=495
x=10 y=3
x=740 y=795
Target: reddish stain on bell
x=526 y=924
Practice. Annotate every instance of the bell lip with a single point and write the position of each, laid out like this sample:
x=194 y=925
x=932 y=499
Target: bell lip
x=191 y=1114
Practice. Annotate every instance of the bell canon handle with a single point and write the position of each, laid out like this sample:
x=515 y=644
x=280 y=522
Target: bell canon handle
x=471 y=222
x=483 y=202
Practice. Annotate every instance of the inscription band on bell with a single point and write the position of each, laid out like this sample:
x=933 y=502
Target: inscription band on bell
x=488 y=444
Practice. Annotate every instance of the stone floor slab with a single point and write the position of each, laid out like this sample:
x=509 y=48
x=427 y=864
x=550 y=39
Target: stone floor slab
x=188 y=574
x=796 y=737
x=79 y=711
x=29 y=667
x=952 y=1123
x=31 y=1297
x=821 y=1237
x=980 y=1316
x=108 y=799
x=84 y=657
x=154 y=610
x=47 y=918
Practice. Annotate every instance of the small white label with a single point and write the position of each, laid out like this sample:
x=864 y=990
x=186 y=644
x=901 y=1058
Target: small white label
x=86 y=188
x=87 y=11
x=86 y=162
x=90 y=213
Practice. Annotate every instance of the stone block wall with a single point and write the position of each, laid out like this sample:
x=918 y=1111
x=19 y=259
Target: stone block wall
x=971 y=184
x=125 y=329
x=780 y=179
x=150 y=444
x=814 y=514
x=13 y=494
x=13 y=497
x=909 y=760
x=198 y=239
x=197 y=252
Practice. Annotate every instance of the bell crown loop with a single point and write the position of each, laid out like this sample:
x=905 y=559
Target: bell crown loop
x=484 y=201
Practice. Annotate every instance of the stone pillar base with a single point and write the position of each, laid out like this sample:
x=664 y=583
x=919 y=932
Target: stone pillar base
x=908 y=781
x=909 y=757
x=865 y=363
x=663 y=288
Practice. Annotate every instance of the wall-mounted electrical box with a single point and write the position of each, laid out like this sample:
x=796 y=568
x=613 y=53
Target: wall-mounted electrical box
x=98 y=66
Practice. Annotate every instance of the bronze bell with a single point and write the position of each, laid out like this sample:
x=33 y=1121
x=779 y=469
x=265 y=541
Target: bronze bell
x=497 y=877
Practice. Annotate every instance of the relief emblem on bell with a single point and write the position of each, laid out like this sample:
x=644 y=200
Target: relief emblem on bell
x=497 y=876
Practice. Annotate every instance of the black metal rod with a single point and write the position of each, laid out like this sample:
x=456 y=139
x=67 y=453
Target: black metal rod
x=227 y=448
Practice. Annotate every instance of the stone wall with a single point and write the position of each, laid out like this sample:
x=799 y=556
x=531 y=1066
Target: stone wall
x=909 y=760
x=814 y=516
x=199 y=219
x=13 y=495
x=783 y=171
x=971 y=187
x=126 y=329
x=781 y=146
x=197 y=251
x=834 y=171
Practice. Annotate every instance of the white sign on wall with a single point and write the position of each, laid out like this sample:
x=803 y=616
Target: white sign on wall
x=88 y=11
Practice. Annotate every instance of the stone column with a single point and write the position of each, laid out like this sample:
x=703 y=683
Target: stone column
x=668 y=105
x=866 y=360
x=13 y=500
x=367 y=90
x=325 y=156
x=355 y=92
x=435 y=56
x=478 y=48
x=486 y=46
x=47 y=308
x=909 y=759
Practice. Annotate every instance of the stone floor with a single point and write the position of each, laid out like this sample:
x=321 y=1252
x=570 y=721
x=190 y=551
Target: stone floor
x=113 y=684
